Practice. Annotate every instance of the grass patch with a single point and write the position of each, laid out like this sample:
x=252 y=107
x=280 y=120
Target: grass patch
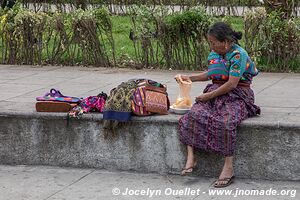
x=121 y=29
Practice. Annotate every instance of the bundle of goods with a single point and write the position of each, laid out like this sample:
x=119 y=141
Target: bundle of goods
x=55 y=101
x=183 y=102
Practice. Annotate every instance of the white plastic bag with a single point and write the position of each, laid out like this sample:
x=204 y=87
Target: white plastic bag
x=183 y=100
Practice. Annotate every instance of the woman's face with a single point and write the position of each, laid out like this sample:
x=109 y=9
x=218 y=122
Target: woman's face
x=217 y=46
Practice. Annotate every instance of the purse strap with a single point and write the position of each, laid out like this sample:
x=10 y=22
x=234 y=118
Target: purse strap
x=156 y=89
x=153 y=86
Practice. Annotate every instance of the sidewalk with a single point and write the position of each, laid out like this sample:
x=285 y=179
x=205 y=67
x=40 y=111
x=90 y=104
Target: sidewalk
x=278 y=94
x=53 y=183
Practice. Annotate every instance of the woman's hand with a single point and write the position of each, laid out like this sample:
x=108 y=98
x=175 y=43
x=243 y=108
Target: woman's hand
x=204 y=97
x=180 y=78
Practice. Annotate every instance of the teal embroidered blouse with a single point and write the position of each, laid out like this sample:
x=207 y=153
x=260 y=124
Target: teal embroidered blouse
x=235 y=62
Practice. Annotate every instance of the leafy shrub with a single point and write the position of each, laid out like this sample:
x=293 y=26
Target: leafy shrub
x=172 y=40
x=184 y=38
x=80 y=37
x=272 y=40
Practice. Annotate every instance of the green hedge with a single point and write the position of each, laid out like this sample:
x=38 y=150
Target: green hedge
x=80 y=37
x=176 y=41
x=156 y=2
x=146 y=38
x=273 y=40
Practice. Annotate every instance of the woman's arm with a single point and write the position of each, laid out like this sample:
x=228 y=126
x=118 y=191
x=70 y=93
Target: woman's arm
x=223 y=89
x=237 y=68
x=200 y=77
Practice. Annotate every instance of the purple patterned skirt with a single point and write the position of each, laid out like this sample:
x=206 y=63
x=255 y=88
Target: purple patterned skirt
x=211 y=126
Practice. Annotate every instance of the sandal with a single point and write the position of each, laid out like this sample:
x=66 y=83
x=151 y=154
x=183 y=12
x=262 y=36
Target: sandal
x=56 y=95
x=228 y=181
x=187 y=171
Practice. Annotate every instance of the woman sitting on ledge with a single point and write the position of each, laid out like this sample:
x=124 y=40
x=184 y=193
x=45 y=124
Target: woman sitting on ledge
x=212 y=122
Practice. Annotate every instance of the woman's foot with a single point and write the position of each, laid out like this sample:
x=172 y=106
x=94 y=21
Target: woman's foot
x=190 y=162
x=189 y=168
x=226 y=177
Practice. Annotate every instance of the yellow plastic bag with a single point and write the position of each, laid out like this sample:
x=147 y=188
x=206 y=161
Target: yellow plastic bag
x=183 y=100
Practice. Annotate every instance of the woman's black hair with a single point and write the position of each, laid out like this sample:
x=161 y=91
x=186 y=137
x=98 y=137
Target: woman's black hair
x=222 y=32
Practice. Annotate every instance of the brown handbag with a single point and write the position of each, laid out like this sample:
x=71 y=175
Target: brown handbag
x=157 y=100
x=149 y=99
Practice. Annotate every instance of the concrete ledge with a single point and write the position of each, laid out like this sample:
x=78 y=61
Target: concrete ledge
x=265 y=150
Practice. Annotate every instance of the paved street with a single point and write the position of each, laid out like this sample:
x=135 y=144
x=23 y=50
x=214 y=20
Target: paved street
x=53 y=183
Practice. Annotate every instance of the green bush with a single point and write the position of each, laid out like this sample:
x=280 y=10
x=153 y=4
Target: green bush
x=272 y=40
x=156 y=2
x=80 y=37
x=176 y=41
x=148 y=37
x=184 y=38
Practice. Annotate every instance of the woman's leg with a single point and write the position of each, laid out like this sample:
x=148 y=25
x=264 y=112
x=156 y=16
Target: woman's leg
x=227 y=171
x=190 y=157
x=190 y=161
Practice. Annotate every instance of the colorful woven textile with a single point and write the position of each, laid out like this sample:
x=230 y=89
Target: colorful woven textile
x=212 y=125
x=236 y=63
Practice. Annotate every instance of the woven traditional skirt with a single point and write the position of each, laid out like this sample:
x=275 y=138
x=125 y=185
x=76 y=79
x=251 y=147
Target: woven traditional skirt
x=212 y=125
